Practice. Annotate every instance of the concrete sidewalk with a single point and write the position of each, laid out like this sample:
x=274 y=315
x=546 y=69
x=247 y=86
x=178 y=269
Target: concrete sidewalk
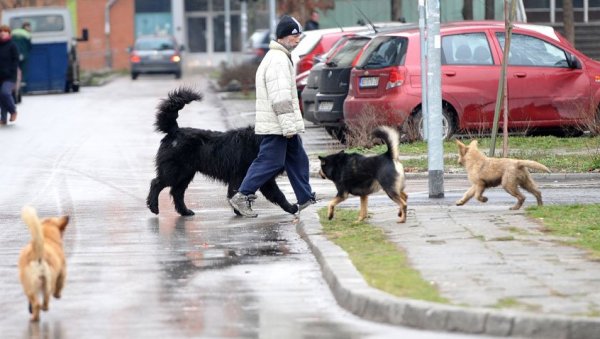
x=480 y=256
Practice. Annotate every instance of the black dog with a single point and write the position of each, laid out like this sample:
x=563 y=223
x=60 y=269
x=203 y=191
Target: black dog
x=223 y=156
x=359 y=175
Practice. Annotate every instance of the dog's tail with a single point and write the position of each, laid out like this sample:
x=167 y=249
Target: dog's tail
x=390 y=136
x=29 y=216
x=534 y=165
x=168 y=109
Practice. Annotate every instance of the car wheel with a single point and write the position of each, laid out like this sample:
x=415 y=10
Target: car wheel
x=413 y=128
x=177 y=75
x=75 y=88
x=134 y=76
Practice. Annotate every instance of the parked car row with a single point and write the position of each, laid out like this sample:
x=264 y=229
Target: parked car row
x=551 y=85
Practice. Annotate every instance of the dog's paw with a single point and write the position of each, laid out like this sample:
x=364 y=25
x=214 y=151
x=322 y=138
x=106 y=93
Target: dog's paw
x=483 y=199
x=153 y=208
x=459 y=202
x=186 y=213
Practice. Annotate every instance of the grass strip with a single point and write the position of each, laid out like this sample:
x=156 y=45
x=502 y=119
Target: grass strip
x=579 y=221
x=382 y=264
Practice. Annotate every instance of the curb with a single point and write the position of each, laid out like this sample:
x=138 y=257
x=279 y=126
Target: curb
x=356 y=296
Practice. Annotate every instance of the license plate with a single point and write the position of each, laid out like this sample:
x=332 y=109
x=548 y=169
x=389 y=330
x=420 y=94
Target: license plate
x=366 y=82
x=155 y=57
x=325 y=106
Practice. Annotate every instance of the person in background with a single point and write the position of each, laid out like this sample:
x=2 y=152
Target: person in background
x=9 y=66
x=22 y=38
x=279 y=121
x=313 y=22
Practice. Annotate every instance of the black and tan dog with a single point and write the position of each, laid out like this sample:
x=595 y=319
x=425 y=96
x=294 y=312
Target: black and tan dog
x=42 y=265
x=484 y=172
x=222 y=156
x=361 y=175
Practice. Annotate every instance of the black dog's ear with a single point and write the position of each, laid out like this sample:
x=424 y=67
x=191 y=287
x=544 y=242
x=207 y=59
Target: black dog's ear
x=321 y=158
x=341 y=152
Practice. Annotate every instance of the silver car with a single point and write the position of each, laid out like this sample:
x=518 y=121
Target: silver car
x=155 y=54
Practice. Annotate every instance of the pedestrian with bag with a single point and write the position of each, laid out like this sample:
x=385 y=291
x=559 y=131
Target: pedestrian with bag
x=9 y=66
x=279 y=120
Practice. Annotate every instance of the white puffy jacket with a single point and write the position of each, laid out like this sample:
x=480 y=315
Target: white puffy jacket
x=277 y=108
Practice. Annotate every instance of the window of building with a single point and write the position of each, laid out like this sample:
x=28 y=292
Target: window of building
x=152 y=6
x=196 y=5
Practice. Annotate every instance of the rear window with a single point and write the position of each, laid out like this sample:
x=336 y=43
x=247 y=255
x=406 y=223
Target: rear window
x=154 y=44
x=40 y=23
x=384 y=52
x=347 y=54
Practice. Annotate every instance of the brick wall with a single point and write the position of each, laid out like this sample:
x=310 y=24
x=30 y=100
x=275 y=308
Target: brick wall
x=90 y=15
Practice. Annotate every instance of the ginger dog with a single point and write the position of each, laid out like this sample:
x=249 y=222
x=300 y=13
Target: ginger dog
x=42 y=268
x=484 y=172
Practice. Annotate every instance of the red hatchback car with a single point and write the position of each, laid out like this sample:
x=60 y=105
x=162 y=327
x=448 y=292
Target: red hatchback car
x=551 y=85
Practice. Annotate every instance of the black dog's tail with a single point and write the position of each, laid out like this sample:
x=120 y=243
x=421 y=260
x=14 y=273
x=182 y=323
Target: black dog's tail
x=168 y=109
x=390 y=136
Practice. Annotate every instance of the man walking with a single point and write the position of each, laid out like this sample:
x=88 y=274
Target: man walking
x=279 y=119
x=22 y=38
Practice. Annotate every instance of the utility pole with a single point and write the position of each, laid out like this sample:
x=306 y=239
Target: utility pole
x=423 y=39
x=434 y=104
x=228 y=31
x=272 y=18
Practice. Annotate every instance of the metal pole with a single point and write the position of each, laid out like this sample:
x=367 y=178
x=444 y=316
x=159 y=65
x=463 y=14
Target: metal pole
x=108 y=52
x=424 y=107
x=552 y=11
x=244 y=23
x=434 y=92
x=272 y=18
x=228 y=31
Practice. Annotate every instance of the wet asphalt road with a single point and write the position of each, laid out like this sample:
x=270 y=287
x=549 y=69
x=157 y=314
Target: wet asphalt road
x=132 y=274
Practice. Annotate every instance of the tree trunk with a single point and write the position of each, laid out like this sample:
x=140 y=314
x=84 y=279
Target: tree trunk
x=490 y=12
x=397 y=10
x=467 y=11
x=569 y=21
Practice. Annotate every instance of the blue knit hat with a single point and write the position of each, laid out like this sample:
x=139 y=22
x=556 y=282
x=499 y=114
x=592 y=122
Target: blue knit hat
x=287 y=26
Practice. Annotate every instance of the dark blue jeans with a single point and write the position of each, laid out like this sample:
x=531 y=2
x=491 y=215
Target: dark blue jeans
x=276 y=153
x=7 y=104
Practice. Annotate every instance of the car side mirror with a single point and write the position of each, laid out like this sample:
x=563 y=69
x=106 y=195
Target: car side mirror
x=84 y=35
x=182 y=48
x=129 y=49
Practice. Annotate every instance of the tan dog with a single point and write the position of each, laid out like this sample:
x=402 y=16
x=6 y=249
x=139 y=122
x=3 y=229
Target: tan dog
x=484 y=172
x=42 y=268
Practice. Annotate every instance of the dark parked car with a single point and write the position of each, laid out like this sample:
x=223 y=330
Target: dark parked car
x=333 y=86
x=155 y=54
x=258 y=45
x=551 y=85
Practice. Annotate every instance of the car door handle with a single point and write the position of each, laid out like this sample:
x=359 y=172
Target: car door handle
x=520 y=75
x=450 y=73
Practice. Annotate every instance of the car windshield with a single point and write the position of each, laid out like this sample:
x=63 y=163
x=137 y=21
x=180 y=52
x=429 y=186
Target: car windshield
x=384 y=52
x=154 y=44
x=347 y=54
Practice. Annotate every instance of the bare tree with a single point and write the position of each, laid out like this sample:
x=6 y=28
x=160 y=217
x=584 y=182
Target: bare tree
x=396 y=10
x=467 y=11
x=301 y=9
x=569 y=21
x=490 y=12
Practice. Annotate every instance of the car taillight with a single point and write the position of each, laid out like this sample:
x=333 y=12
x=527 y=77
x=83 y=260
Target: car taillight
x=175 y=58
x=135 y=58
x=396 y=78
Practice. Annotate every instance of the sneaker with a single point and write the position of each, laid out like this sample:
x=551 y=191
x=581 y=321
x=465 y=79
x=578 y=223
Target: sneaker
x=13 y=116
x=309 y=202
x=243 y=204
